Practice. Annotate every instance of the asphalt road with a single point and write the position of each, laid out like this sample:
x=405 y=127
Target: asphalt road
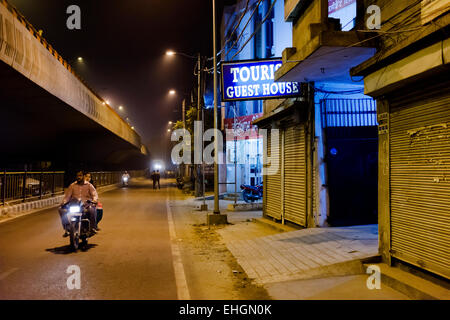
x=130 y=258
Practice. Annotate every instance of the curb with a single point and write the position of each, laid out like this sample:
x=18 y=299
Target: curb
x=410 y=285
x=340 y=269
x=274 y=225
x=245 y=207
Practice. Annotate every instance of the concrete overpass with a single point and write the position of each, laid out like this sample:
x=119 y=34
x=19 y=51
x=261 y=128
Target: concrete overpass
x=47 y=112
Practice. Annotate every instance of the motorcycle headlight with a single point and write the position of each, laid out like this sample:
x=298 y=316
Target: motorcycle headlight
x=74 y=209
x=125 y=179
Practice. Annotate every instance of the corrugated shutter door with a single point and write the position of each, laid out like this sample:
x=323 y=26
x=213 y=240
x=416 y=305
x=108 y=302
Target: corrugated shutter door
x=273 y=188
x=420 y=182
x=295 y=175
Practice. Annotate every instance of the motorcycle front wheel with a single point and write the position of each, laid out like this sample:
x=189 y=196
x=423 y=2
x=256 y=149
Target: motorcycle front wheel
x=246 y=197
x=84 y=242
x=74 y=240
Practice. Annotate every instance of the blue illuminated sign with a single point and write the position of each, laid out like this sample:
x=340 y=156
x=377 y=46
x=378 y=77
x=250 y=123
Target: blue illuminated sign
x=254 y=80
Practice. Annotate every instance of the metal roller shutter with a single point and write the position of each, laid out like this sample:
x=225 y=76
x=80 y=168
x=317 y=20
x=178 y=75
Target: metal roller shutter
x=295 y=175
x=273 y=188
x=420 y=182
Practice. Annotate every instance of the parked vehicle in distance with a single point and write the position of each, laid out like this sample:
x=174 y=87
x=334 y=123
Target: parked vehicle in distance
x=252 y=193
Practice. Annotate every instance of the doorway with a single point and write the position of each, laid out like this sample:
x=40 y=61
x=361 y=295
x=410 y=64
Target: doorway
x=351 y=144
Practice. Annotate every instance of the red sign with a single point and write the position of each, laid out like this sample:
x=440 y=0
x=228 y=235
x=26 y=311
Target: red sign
x=335 y=5
x=243 y=128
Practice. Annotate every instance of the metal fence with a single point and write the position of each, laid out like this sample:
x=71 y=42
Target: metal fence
x=101 y=179
x=29 y=186
x=348 y=113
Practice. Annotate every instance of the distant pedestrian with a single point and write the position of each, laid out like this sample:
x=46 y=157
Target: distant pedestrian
x=158 y=177
x=154 y=179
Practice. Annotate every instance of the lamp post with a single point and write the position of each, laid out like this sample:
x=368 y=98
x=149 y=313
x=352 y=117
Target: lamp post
x=216 y=141
x=198 y=185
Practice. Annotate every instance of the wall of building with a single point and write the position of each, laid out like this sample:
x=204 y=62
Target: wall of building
x=401 y=80
x=250 y=149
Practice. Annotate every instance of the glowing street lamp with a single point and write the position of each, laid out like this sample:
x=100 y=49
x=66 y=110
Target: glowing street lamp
x=172 y=92
x=170 y=122
x=170 y=53
x=120 y=108
x=80 y=59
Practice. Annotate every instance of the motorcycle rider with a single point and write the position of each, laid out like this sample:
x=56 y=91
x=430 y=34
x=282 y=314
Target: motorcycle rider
x=79 y=190
x=88 y=178
x=126 y=176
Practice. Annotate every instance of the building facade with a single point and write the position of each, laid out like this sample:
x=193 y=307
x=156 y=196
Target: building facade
x=368 y=141
x=327 y=146
x=408 y=77
x=264 y=19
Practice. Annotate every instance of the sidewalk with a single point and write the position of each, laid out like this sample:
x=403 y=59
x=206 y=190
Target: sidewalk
x=321 y=263
x=302 y=254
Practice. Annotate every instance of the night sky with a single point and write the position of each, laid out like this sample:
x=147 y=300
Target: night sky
x=123 y=43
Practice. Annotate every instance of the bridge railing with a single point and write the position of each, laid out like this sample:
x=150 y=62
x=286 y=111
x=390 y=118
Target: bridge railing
x=25 y=49
x=28 y=186
x=16 y=187
x=101 y=179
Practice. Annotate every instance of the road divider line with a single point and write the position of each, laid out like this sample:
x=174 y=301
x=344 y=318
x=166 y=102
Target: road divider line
x=4 y=275
x=180 y=277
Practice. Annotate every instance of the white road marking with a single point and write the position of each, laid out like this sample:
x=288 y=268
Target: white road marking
x=180 y=277
x=4 y=275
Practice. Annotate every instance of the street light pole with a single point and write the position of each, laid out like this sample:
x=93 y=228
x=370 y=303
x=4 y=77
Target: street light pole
x=216 y=138
x=197 y=166
x=199 y=62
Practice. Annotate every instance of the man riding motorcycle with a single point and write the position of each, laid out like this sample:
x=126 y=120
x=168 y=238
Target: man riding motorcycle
x=84 y=191
x=125 y=178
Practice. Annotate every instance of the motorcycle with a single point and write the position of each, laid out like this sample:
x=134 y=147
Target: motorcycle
x=180 y=183
x=252 y=193
x=79 y=224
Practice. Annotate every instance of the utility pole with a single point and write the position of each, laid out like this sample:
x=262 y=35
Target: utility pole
x=183 y=110
x=216 y=142
x=199 y=90
x=199 y=106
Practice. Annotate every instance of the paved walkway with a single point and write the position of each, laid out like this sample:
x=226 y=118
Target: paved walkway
x=301 y=254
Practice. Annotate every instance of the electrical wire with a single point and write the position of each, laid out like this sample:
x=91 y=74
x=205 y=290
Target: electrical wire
x=256 y=30
x=243 y=30
x=235 y=28
x=338 y=50
x=343 y=92
x=392 y=32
